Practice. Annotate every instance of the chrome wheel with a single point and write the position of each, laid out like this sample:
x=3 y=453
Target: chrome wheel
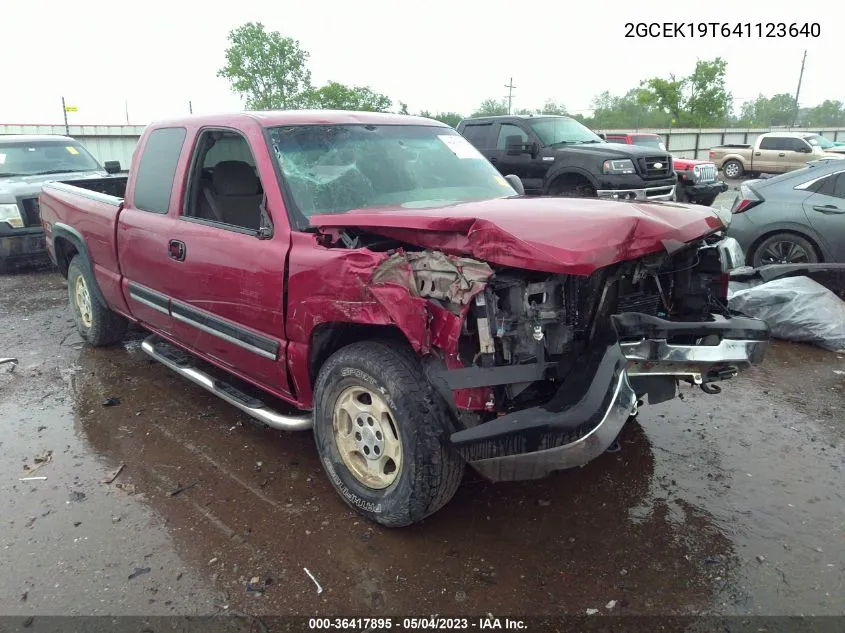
x=731 y=170
x=83 y=301
x=367 y=438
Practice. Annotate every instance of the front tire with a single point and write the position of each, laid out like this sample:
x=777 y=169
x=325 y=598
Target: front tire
x=96 y=323
x=382 y=434
x=681 y=192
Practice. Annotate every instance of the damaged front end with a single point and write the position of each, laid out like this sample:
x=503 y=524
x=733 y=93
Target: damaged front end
x=543 y=370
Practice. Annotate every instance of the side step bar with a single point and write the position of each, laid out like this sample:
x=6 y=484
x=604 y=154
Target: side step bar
x=182 y=363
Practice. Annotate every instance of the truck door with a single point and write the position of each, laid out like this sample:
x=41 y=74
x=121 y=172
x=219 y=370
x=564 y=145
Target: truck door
x=769 y=155
x=798 y=152
x=144 y=225
x=826 y=211
x=227 y=257
x=530 y=169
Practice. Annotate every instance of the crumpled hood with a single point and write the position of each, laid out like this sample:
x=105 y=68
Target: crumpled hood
x=25 y=186
x=557 y=235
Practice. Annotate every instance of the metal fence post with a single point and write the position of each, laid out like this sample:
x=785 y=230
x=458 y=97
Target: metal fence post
x=697 y=139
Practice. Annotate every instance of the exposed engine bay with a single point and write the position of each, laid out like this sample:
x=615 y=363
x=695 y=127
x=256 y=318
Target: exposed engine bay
x=523 y=332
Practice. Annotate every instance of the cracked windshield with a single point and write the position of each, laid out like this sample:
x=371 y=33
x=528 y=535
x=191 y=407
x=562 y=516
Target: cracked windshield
x=332 y=169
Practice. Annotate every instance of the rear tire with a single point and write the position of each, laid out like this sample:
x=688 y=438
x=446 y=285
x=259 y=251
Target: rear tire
x=732 y=169
x=96 y=323
x=788 y=248
x=374 y=408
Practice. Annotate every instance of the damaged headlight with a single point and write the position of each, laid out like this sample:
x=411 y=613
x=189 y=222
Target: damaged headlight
x=10 y=214
x=624 y=166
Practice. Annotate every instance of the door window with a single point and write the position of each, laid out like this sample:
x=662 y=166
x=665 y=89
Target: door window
x=795 y=145
x=509 y=129
x=773 y=143
x=225 y=189
x=478 y=134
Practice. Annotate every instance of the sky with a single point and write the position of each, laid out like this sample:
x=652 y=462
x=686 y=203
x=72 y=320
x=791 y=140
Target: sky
x=148 y=60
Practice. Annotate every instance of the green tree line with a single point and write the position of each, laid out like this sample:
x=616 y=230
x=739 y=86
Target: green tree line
x=270 y=71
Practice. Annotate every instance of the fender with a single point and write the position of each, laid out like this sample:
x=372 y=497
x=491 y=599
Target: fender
x=554 y=174
x=74 y=237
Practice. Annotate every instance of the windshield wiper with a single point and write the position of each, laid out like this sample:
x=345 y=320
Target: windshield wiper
x=59 y=171
x=8 y=174
x=586 y=142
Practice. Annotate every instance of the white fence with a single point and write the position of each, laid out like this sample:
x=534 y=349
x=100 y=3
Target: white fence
x=694 y=143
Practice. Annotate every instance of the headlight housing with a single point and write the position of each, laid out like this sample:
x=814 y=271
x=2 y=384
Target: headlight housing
x=10 y=214
x=621 y=166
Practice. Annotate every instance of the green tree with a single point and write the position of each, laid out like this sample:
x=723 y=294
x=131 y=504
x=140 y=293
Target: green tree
x=491 y=107
x=269 y=71
x=449 y=118
x=403 y=108
x=631 y=110
x=699 y=100
x=827 y=113
x=337 y=96
x=768 y=111
x=553 y=107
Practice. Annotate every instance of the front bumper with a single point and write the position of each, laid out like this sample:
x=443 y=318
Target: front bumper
x=570 y=431
x=706 y=189
x=27 y=245
x=666 y=192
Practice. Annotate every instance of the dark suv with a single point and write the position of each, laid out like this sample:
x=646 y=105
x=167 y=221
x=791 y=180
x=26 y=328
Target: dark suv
x=558 y=156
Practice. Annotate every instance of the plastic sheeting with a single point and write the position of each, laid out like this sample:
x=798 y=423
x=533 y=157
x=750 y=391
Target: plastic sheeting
x=795 y=308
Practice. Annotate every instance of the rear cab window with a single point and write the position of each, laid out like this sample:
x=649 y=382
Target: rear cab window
x=480 y=135
x=157 y=169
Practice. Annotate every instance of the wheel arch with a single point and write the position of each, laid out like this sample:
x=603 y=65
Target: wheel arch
x=570 y=173
x=792 y=230
x=67 y=243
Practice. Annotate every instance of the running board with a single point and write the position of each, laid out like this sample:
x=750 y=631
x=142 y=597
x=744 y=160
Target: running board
x=183 y=363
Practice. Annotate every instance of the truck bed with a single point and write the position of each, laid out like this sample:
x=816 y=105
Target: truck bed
x=86 y=209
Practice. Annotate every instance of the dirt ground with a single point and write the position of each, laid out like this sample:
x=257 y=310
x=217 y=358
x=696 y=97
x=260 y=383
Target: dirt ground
x=726 y=504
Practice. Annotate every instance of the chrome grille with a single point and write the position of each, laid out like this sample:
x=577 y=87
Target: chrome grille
x=707 y=173
x=649 y=166
x=31 y=211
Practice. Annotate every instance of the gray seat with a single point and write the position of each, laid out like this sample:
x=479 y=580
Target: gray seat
x=234 y=196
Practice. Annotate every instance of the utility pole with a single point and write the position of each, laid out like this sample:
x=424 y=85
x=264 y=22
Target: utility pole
x=64 y=112
x=126 y=109
x=510 y=88
x=798 y=91
x=190 y=108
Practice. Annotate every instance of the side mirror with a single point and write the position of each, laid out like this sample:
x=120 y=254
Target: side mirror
x=806 y=150
x=516 y=183
x=602 y=136
x=514 y=145
x=112 y=166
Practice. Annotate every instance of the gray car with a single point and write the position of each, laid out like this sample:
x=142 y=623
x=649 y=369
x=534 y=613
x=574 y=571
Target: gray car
x=793 y=218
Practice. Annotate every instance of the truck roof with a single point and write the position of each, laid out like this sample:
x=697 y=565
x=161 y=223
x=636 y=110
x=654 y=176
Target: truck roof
x=790 y=134
x=29 y=138
x=271 y=118
x=501 y=117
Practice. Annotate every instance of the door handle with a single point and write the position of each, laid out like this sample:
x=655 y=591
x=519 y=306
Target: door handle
x=781 y=154
x=176 y=250
x=756 y=153
x=828 y=208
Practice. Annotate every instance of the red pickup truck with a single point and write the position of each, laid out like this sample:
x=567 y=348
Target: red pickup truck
x=373 y=277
